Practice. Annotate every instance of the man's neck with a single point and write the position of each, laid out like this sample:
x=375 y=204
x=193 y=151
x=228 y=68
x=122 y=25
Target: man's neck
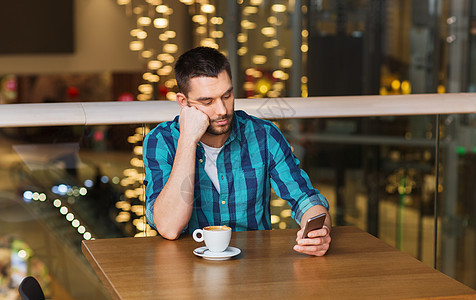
x=215 y=141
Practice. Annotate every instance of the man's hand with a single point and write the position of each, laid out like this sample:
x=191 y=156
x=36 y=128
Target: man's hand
x=318 y=241
x=193 y=123
x=316 y=244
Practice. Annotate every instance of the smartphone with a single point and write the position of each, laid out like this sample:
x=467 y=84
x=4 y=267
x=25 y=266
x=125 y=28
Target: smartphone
x=313 y=223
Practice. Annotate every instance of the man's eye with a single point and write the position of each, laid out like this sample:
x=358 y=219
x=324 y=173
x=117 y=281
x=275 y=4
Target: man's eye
x=227 y=96
x=207 y=102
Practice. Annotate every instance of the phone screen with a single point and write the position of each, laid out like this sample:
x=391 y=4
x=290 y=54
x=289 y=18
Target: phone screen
x=314 y=223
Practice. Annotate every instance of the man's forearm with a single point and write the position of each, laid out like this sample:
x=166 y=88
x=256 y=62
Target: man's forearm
x=173 y=207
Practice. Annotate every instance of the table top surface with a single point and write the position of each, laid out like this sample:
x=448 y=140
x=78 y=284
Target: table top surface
x=357 y=265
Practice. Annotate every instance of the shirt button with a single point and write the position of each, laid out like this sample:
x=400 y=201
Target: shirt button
x=221 y=177
x=201 y=161
x=223 y=202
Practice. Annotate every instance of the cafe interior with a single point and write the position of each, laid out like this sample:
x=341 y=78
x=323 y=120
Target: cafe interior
x=62 y=184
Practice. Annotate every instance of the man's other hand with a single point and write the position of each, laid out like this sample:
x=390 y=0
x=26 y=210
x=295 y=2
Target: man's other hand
x=193 y=123
x=316 y=244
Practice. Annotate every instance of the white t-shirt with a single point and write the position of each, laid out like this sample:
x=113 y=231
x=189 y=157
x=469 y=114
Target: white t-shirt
x=211 y=155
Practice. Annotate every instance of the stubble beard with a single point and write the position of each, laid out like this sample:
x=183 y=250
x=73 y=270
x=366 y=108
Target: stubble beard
x=219 y=130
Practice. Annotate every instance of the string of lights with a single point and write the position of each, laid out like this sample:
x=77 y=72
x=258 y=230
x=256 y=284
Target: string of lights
x=63 y=209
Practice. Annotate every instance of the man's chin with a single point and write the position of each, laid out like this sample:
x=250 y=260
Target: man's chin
x=219 y=130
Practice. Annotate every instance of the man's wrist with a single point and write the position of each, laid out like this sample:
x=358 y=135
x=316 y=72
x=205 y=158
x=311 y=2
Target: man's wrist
x=314 y=211
x=187 y=142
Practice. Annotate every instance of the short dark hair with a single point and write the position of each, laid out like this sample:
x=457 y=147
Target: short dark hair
x=199 y=62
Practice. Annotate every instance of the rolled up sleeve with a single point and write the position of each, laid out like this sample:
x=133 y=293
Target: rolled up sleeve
x=157 y=167
x=289 y=181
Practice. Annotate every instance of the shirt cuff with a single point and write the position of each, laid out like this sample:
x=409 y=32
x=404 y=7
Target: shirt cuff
x=149 y=214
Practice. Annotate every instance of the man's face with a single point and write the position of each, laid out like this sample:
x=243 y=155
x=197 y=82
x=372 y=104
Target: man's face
x=214 y=97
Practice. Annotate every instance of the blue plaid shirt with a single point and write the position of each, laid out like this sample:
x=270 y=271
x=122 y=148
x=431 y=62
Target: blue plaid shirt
x=255 y=157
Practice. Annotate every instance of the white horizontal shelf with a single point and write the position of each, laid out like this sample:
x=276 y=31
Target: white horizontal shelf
x=138 y=112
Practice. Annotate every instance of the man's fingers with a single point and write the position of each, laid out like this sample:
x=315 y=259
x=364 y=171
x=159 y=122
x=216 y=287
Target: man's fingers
x=299 y=234
x=315 y=241
x=319 y=232
x=312 y=250
x=324 y=231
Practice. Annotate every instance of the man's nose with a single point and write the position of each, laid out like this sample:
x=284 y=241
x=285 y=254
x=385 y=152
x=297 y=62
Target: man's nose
x=220 y=108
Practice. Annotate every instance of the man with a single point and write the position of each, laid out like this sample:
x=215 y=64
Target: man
x=212 y=165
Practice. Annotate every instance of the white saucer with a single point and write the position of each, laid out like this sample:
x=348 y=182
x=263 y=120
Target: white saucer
x=207 y=254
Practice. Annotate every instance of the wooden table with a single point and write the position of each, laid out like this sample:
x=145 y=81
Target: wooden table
x=357 y=265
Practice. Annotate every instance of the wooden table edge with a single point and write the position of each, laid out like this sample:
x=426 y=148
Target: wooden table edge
x=454 y=297
x=99 y=271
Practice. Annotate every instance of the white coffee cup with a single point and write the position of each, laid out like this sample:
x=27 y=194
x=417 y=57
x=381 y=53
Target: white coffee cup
x=217 y=238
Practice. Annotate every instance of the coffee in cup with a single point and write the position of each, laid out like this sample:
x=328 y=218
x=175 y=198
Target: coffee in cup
x=217 y=238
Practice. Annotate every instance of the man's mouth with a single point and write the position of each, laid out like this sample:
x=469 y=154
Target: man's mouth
x=222 y=122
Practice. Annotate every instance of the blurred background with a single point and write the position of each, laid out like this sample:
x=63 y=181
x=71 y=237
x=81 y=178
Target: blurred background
x=62 y=184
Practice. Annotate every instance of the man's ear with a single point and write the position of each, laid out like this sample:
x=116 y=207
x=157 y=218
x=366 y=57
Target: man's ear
x=182 y=100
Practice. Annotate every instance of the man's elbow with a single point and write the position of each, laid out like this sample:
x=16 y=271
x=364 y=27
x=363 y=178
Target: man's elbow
x=168 y=233
x=168 y=228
